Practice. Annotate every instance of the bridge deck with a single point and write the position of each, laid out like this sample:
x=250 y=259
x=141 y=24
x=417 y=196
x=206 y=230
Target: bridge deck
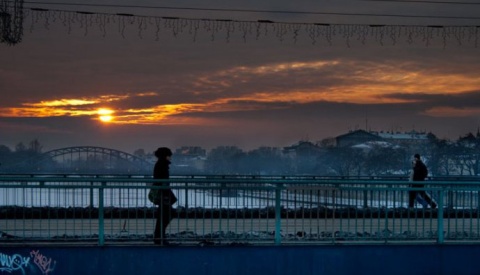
x=258 y=230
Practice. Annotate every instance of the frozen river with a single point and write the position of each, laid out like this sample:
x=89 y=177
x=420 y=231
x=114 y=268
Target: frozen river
x=230 y=197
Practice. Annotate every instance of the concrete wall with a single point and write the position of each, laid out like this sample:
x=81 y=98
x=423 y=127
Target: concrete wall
x=250 y=260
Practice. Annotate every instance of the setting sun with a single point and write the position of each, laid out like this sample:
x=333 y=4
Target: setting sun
x=105 y=115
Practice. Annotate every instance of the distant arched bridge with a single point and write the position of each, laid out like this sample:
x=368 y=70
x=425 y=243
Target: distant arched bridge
x=83 y=159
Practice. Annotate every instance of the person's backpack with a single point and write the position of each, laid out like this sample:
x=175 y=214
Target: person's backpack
x=424 y=170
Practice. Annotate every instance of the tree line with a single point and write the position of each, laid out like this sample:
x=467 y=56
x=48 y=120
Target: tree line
x=443 y=158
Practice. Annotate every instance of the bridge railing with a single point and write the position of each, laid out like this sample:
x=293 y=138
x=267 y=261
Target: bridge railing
x=236 y=210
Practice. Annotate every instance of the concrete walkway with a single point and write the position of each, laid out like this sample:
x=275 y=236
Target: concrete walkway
x=255 y=228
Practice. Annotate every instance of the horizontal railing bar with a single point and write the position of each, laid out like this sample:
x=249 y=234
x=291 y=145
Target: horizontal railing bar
x=199 y=187
x=230 y=180
x=441 y=177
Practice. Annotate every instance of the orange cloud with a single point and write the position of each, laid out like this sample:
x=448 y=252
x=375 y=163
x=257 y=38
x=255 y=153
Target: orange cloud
x=62 y=102
x=370 y=83
x=158 y=115
x=355 y=83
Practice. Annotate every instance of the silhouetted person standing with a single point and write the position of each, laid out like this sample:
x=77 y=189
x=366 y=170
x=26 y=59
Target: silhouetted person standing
x=420 y=172
x=167 y=199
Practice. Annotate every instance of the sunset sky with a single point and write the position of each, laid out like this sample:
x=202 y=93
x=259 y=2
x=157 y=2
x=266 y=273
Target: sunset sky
x=144 y=81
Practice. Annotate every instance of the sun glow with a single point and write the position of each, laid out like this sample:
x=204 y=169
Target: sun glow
x=316 y=82
x=105 y=115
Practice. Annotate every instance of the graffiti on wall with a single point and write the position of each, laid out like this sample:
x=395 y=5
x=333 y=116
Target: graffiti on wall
x=35 y=262
x=43 y=262
x=12 y=263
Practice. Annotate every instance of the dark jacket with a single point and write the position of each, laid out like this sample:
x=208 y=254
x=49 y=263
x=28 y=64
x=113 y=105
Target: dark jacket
x=161 y=169
x=420 y=171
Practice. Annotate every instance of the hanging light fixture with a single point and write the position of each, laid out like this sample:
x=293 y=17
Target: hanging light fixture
x=11 y=21
x=11 y=17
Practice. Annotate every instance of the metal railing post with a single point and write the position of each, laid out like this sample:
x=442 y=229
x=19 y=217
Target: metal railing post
x=91 y=195
x=101 y=218
x=450 y=199
x=365 y=196
x=440 y=218
x=278 y=214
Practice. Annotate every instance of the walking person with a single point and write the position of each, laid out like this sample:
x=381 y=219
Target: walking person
x=166 y=196
x=419 y=173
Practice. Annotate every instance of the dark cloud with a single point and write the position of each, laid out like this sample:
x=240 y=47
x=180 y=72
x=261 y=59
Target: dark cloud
x=465 y=99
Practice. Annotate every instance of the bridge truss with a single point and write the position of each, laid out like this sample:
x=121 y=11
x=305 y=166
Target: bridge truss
x=83 y=159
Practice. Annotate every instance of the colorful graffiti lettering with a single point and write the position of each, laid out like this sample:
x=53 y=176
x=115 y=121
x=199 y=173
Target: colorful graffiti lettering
x=44 y=263
x=13 y=263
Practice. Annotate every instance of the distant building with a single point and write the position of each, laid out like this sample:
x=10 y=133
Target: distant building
x=302 y=148
x=412 y=138
x=469 y=139
x=189 y=159
x=361 y=136
x=304 y=155
x=356 y=137
x=190 y=151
